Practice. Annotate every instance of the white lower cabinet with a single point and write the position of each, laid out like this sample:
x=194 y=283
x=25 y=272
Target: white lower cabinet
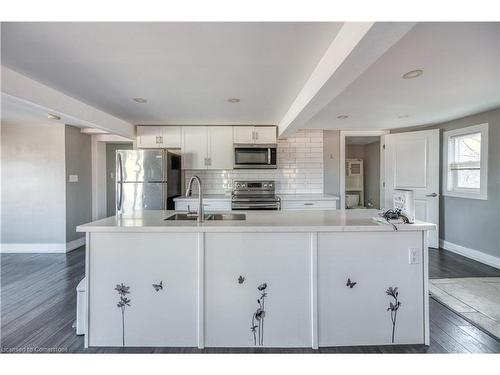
x=358 y=315
x=236 y=264
x=167 y=317
x=308 y=204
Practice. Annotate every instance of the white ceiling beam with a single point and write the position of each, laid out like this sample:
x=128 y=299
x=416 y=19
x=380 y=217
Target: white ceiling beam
x=93 y=131
x=355 y=48
x=71 y=110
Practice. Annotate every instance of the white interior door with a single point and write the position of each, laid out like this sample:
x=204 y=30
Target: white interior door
x=412 y=163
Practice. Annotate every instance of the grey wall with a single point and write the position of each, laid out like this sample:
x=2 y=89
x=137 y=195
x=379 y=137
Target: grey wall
x=331 y=160
x=354 y=151
x=474 y=223
x=110 y=174
x=78 y=194
x=372 y=173
x=33 y=206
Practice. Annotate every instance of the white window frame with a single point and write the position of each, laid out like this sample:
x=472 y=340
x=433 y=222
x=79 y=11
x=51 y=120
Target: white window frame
x=483 y=190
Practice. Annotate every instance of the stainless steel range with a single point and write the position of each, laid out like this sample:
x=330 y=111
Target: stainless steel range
x=254 y=195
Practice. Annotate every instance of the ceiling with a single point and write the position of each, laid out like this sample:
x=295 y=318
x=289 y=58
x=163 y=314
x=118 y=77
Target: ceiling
x=186 y=71
x=17 y=112
x=461 y=63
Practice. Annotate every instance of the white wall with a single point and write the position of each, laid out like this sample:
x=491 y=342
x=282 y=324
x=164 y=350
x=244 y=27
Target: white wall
x=33 y=188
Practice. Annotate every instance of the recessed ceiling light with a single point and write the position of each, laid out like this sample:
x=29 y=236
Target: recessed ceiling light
x=50 y=116
x=342 y=117
x=413 y=74
x=233 y=100
x=140 y=100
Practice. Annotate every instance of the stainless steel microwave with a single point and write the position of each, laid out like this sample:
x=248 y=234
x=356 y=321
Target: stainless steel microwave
x=254 y=156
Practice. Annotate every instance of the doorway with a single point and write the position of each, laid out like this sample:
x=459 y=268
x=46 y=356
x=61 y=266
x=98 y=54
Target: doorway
x=362 y=172
x=110 y=174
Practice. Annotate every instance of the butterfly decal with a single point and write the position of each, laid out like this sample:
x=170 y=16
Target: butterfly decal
x=350 y=283
x=159 y=286
x=241 y=280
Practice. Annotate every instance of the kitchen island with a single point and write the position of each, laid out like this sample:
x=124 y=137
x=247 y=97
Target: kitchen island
x=276 y=279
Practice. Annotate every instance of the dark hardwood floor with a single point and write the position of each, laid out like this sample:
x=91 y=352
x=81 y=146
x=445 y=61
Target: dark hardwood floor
x=38 y=303
x=445 y=264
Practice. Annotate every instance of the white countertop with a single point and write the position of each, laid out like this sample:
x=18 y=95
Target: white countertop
x=295 y=197
x=256 y=221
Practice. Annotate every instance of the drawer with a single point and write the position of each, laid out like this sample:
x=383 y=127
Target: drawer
x=219 y=205
x=308 y=205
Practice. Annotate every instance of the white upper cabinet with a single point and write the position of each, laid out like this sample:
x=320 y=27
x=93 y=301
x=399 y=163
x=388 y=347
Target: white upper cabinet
x=254 y=134
x=158 y=136
x=265 y=134
x=220 y=147
x=243 y=134
x=207 y=147
x=171 y=136
x=194 y=147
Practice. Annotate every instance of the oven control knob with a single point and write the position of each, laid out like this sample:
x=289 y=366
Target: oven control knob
x=270 y=185
x=243 y=185
x=265 y=186
x=237 y=185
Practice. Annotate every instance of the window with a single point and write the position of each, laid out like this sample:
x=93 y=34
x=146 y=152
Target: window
x=466 y=162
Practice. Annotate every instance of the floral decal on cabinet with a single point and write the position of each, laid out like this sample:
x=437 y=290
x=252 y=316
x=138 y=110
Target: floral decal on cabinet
x=258 y=316
x=124 y=301
x=393 y=307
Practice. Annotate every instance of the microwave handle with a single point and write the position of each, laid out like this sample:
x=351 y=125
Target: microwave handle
x=269 y=156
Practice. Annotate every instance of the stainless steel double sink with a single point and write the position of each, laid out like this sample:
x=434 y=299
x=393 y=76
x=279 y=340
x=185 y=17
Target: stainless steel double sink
x=208 y=217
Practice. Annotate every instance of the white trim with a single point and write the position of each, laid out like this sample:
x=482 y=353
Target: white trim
x=201 y=290
x=75 y=244
x=483 y=192
x=43 y=248
x=477 y=255
x=314 y=290
x=355 y=133
x=425 y=268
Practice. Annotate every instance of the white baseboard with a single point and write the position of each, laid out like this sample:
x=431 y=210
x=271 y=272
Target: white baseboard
x=75 y=244
x=48 y=248
x=490 y=260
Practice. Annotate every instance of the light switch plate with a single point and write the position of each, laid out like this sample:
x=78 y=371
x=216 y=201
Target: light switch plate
x=414 y=256
x=73 y=178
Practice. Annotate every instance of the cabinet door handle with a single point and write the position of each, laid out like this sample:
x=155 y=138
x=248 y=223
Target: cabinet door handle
x=432 y=195
x=308 y=204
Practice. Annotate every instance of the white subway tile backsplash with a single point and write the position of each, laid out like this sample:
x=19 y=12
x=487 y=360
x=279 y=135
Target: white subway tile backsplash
x=300 y=168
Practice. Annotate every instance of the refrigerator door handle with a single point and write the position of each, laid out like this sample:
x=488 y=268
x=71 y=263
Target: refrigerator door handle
x=120 y=183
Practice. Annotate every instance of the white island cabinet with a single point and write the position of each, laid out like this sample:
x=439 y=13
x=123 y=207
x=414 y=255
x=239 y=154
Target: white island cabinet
x=303 y=278
x=236 y=265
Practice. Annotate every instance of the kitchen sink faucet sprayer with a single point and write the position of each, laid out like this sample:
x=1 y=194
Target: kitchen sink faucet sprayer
x=189 y=192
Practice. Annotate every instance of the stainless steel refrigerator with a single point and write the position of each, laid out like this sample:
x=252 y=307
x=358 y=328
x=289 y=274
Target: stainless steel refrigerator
x=147 y=180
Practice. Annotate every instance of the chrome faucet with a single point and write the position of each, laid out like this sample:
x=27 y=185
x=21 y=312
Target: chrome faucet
x=189 y=192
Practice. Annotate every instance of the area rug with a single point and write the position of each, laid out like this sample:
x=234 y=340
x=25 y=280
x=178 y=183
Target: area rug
x=475 y=298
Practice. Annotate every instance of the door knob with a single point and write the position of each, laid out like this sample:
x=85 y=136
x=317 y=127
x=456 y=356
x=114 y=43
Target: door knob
x=432 y=195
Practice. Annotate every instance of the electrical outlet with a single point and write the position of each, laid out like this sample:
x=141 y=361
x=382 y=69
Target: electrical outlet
x=413 y=256
x=73 y=178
